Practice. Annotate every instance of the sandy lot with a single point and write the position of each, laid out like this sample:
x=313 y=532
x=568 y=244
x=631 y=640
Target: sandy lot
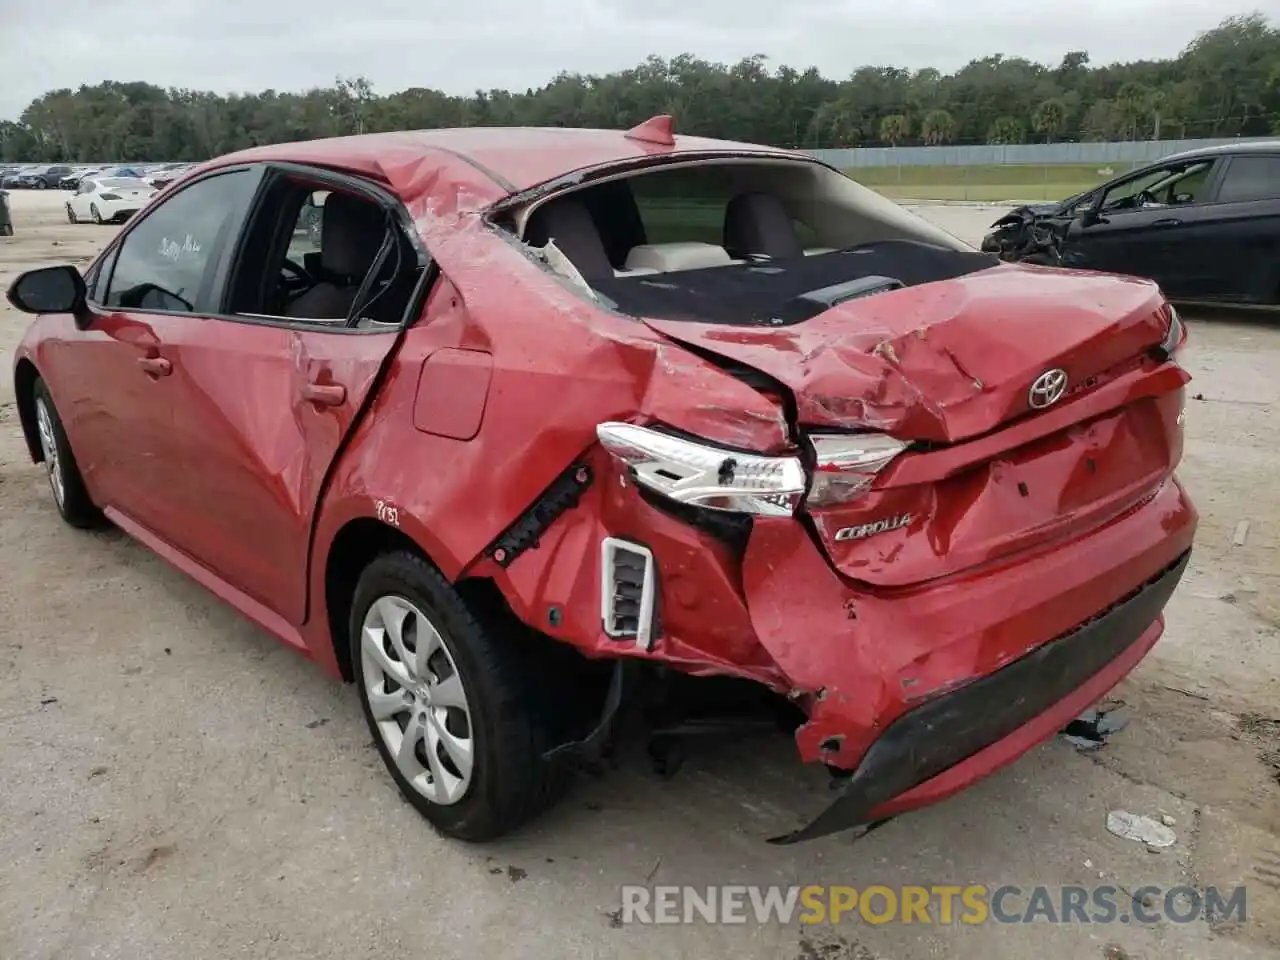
x=177 y=785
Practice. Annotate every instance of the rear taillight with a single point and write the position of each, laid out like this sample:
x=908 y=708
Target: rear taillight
x=701 y=474
x=845 y=465
x=1175 y=337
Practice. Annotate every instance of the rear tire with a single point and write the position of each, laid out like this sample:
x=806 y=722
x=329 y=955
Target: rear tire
x=473 y=766
x=65 y=482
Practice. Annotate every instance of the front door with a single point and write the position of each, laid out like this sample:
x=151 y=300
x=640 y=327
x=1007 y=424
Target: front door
x=264 y=393
x=1143 y=223
x=112 y=386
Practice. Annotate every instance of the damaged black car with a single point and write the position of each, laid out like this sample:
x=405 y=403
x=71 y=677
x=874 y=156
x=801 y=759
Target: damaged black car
x=1204 y=224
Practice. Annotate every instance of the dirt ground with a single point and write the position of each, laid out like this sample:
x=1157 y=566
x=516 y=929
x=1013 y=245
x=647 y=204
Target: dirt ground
x=177 y=785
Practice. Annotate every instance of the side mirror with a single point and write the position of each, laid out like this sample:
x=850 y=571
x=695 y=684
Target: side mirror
x=48 y=290
x=1183 y=198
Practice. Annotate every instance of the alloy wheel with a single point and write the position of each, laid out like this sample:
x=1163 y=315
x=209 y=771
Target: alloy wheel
x=49 y=449
x=417 y=699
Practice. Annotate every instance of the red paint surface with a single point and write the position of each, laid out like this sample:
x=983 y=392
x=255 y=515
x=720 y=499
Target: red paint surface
x=228 y=470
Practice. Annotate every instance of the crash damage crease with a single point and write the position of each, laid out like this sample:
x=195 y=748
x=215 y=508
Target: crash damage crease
x=983 y=711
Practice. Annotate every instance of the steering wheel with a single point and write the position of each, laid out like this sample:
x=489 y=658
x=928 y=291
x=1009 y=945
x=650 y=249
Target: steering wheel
x=297 y=272
x=1143 y=197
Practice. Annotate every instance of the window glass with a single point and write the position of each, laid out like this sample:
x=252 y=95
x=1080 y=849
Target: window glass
x=1251 y=178
x=1168 y=185
x=306 y=232
x=164 y=260
x=683 y=205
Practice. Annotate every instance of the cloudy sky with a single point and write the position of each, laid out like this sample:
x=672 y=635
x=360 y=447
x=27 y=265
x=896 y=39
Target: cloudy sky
x=461 y=45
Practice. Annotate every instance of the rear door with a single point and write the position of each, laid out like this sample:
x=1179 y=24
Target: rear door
x=262 y=400
x=1236 y=256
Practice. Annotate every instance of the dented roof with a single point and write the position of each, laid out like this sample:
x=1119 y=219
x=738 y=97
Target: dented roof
x=494 y=161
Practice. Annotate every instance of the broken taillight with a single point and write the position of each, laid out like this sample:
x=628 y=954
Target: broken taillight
x=845 y=465
x=704 y=475
x=1175 y=338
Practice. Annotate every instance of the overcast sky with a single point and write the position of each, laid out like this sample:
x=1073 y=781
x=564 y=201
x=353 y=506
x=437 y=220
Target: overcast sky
x=461 y=45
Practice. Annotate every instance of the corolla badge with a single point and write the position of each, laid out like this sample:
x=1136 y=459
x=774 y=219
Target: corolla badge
x=870 y=529
x=1047 y=389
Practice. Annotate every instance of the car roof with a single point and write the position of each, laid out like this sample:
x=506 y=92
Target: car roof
x=1223 y=149
x=511 y=159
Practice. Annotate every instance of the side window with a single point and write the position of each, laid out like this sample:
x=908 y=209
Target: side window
x=358 y=269
x=1251 y=178
x=165 y=260
x=683 y=205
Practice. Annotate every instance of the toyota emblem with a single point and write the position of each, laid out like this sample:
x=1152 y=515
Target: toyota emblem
x=1047 y=389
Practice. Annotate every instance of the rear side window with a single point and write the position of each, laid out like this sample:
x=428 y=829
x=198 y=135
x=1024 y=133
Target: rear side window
x=164 y=261
x=1251 y=178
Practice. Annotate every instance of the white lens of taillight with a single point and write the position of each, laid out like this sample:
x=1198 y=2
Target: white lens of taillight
x=703 y=475
x=846 y=465
x=1176 y=337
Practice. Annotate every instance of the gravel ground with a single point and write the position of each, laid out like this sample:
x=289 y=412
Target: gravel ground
x=177 y=785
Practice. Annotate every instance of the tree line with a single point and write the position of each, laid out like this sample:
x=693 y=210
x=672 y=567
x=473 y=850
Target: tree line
x=1226 y=82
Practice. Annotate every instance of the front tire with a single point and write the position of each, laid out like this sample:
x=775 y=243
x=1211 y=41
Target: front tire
x=41 y=185
x=452 y=714
x=97 y=215
x=65 y=482
x=71 y=215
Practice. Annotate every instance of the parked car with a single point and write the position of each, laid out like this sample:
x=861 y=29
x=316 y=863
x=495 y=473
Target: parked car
x=168 y=174
x=72 y=180
x=567 y=425
x=1204 y=224
x=108 y=199
x=41 y=178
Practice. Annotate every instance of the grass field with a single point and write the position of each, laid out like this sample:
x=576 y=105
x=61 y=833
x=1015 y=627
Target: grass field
x=994 y=182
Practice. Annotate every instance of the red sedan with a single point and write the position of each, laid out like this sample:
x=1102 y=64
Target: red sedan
x=540 y=424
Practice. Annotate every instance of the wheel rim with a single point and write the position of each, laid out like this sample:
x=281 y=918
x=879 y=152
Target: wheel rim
x=49 y=449
x=417 y=699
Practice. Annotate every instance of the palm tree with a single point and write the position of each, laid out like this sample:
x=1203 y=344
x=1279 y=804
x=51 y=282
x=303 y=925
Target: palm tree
x=894 y=129
x=938 y=127
x=1049 y=119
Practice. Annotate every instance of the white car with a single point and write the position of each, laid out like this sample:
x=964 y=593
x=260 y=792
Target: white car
x=108 y=199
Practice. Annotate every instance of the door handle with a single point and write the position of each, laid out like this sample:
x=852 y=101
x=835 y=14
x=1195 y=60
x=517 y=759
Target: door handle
x=1166 y=222
x=324 y=394
x=155 y=366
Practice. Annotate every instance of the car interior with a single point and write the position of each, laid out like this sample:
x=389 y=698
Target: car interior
x=362 y=272
x=738 y=243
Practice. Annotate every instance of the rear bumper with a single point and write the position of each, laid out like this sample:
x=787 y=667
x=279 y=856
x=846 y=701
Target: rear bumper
x=994 y=719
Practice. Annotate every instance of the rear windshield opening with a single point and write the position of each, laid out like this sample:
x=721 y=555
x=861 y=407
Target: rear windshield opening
x=741 y=242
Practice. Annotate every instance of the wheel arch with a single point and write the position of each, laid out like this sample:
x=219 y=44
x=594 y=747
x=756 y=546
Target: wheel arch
x=358 y=543
x=25 y=376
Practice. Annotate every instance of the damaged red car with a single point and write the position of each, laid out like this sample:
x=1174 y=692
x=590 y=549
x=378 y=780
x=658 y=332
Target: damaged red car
x=543 y=433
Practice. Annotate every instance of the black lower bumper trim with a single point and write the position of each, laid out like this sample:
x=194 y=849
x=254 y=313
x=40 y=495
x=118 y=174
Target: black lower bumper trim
x=935 y=736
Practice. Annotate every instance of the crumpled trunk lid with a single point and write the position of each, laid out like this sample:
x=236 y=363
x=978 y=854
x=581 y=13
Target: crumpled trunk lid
x=944 y=361
x=952 y=364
